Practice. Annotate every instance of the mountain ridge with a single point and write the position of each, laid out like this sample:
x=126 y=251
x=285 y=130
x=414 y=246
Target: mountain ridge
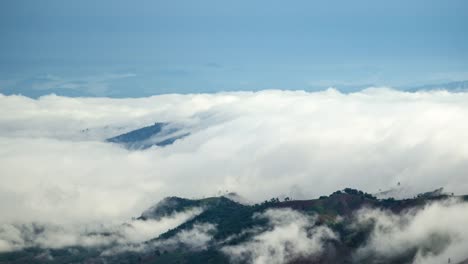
x=224 y=224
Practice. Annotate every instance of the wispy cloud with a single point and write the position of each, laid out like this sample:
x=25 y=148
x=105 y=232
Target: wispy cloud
x=118 y=235
x=95 y=85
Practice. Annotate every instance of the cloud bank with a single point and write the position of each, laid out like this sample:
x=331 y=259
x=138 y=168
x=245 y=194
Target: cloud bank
x=56 y=168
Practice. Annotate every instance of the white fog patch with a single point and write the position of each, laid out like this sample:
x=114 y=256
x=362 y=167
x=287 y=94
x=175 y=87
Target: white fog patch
x=256 y=144
x=142 y=230
x=437 y=232
x=291 y=235
x=16 y=237
x=196 y=238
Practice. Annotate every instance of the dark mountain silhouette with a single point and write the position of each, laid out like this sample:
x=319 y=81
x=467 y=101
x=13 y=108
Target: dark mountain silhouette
x=158 y=134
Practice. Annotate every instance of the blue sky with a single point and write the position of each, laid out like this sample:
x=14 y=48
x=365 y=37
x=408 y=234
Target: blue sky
x=138 y=48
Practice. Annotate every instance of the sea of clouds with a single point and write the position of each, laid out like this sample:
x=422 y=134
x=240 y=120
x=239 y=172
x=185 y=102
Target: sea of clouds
x=56 y=168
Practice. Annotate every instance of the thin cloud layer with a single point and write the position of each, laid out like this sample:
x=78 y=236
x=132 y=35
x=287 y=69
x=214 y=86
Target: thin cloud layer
x=56 y=168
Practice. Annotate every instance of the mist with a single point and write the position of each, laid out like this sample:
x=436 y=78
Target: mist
x=56 y=168
x=435 y=233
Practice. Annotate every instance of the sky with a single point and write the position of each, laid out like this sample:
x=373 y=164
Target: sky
x=249 y=81
x=133 y=49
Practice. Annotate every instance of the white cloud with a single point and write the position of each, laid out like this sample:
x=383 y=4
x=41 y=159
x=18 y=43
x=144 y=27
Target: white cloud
x=196 y=238
x=292 y=235
x=259 y=145
x=436 y=232
x=18 y=236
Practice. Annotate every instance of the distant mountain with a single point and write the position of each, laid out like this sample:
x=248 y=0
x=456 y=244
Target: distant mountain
x=158 y=134
x=460 y=86
x=225 y=224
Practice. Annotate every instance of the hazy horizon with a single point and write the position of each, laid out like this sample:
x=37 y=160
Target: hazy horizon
x=122 y=49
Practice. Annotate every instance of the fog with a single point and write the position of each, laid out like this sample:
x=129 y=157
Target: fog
x=436 y=232
x=56 y=168
x=292 y=235
x=45 y=235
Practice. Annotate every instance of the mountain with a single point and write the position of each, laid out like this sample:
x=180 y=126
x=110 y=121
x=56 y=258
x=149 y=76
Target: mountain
x=158 y=134
x=225 y=228
x=460 y=86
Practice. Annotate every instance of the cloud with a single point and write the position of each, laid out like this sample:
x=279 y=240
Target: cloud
x=55 y=167
x=291 y=235
x=19 y=236
x=196 y=238
x=434 y=233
